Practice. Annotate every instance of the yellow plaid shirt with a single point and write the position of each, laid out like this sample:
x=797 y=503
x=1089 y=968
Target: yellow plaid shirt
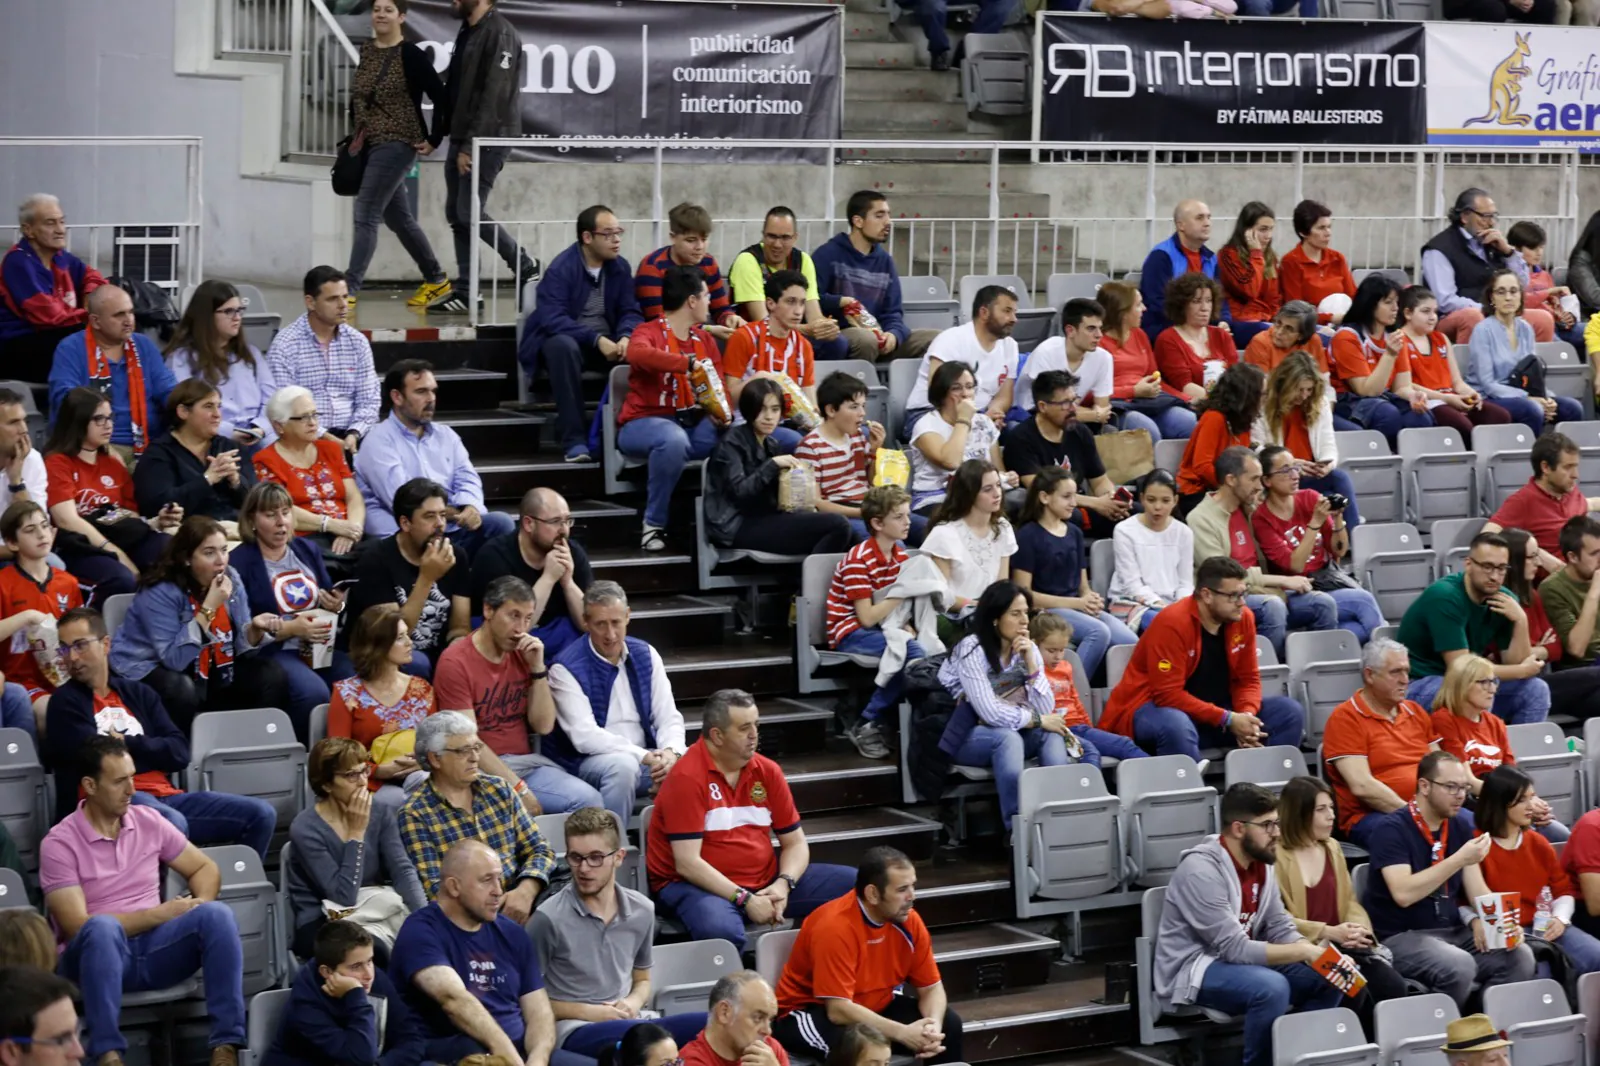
x=429 y=824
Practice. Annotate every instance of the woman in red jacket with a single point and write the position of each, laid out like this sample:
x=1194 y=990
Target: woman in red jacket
x=1138 y=392
x=1195 y=351
x=1225 y=420
x=1248 y=269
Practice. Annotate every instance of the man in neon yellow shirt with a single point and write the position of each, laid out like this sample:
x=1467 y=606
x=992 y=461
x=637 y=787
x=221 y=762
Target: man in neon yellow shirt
x=751 y=267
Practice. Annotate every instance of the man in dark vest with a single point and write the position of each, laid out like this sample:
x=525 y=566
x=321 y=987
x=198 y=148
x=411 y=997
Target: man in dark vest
x=617 y=725
x=776 y=251
x=1457 y=265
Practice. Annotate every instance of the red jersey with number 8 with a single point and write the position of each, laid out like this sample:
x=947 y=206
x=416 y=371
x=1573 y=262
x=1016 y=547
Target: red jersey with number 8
x=734 y=823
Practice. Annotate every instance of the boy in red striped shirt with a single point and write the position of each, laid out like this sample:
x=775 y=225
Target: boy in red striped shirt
x=840 y=453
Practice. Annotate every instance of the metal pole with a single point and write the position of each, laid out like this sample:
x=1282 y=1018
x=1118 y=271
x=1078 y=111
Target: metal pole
x=657 y=198
x=472 y=236
x=994 y=208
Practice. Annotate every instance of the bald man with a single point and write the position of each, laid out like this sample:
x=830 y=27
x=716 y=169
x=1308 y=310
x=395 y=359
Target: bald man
x=44 y=289
x=470 y=973
x=1180 y=253
x=541 y=552
x=115 y=360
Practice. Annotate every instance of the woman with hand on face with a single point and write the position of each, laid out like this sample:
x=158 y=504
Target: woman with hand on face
x=209 y=344
x=1371 y=371
x=1502 y=341
x=1248 y=269
x=953 y=432
x=327 y=502
x=190 y=636
x=381 y=707
x=195 y=466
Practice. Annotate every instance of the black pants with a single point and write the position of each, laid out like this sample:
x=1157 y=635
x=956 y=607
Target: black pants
x=564 y=361
x=29 y=358
x=1383 y=982
x=808 y=1031
x=101 y=574
x=1543 y=12
x=257 y=682
x=1575 y=691
x=805 y=533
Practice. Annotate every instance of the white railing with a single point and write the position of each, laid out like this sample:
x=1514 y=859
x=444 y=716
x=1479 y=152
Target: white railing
x=322 y=64
x=1424 y=180
x=155 y=241
x=253 y=27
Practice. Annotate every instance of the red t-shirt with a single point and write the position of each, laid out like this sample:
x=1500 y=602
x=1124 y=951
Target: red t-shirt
x=19 y=592
x=1356 y=357
x=862 y=571
x=496 y=693
x=1581 y=853
x=1279 y=537
x=1535 y=510
x=841 y=472
x=98 y=488
x=1181 y=365
x=1194 y=260
x=698 y=1053
x=841 y=954
x=1252 y=881
x=1069 y=705
x=734 y=823
x=1241 y=542
x=752 y=350
x=1532 y=866
x=1481 y=745
x=1430 y=369
x=111 y=716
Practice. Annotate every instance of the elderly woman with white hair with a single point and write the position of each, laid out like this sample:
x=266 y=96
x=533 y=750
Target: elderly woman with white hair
x=46 y=290
x=327 y=503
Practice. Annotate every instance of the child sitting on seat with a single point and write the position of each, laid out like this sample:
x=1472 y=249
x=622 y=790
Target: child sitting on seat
x=1051 y=634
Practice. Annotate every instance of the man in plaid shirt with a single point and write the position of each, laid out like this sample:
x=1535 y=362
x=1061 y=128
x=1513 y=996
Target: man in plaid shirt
x=459 y=803
x=322 y=352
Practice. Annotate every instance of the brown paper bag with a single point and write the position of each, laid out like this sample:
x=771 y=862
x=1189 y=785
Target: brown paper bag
x=1127 y=455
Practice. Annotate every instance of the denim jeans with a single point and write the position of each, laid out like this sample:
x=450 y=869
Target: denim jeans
x=1353 y=610
x=1445 y=961
x=665 y=446
x=106 y=962
x=1169 y=731
x=919 y=530
x=1099 y=744
x=1337 y=481
x=469 y=541
x=865 y=641
x=1272 y=620
x=307 y=687
x=1518 y=702
x=458 y=208
x=209 y=818
x=619 y=778
x=991 y=19
x=1173 y=423
x=383 y=198
x=16 y=710
x=1581 y=950
x=1263 y=994
x=710 y=917
x=1093 y=636
x=1382 y=414
x=1531 y=413
x=1004 y=751
x=557 y=791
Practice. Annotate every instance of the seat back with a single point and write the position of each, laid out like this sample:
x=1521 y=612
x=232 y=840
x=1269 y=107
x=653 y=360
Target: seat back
x=1586 y=435
x=1391 y=563
x=1441 y=480
x=772 y=954
x=1167 y=809
x=1320 y=687
x=920 y=288
x=265 y=1018
x=318 y=728
x=1591 y=756
x=967 y=288
x=1375 y=471
x=611 y=457
x=115 y=610
x=254 y=903
x=249 y=753
x=902 y=379
x=1116 y=661
x=13 y=890
x=1330 y=1037
x=1417 y=11
x=1067 y=841
x=553 y=827
x=995 y=74
x=1358 y=882
x=1059 y=288
x=811 y=619
x=1589 y=1006
x=1501 y=454
x=1274 y=675
x=1321 y=645
x=1541 y=751
x=1410 y=1030
x=1452 y=537
x=1270 y=767
x=1169 y=454
x=23 y=809
x=1537 y=1019
x=1102 y=564
x=1566 y=373
x=682 y=975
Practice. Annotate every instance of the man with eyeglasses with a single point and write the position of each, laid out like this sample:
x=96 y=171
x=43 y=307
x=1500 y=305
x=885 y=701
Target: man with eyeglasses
x=541 y=552
x=1550 y=500
x=1055 y=437
x=93 y=703
x=584 y=313
x=594 y=941
x=1425 y=861
x=1225 y=941
x=1458 y=262
x=38 y=1019
x=1194 y=677
x=1473 y=613
x=777 y=251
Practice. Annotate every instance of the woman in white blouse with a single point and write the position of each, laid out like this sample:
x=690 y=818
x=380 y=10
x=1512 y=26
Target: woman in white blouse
x=1154 y=555
x=970 y=539
x=955 y=430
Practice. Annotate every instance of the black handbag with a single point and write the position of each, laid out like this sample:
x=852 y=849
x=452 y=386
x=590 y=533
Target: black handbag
x=1528 y=375
x=350 y=158
x=1148 y=405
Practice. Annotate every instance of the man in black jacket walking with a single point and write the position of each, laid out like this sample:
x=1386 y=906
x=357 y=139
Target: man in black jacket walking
x=484 y=83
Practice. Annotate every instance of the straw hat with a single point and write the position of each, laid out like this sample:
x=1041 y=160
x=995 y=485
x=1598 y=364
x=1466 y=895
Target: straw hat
x=1475 y=1032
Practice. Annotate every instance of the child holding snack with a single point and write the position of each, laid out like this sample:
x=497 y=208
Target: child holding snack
x=1051 y=634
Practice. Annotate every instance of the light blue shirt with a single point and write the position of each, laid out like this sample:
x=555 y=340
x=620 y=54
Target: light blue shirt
x=392 y=455
x=244 y=391
x=1491 y=358
x=1440 y=277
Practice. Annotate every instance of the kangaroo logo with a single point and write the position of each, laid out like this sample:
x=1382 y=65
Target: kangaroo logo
x=1505 y=88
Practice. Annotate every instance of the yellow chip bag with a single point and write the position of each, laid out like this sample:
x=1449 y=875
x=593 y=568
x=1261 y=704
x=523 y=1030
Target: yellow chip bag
x=709 y=391
x=798 y=407
x=890 y=467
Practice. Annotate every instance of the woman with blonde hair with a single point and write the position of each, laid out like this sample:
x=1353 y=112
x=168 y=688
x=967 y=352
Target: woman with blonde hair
x=1297 y=413
x=26 y=939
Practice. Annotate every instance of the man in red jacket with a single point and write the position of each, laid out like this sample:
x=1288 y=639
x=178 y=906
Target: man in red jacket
x=1193 y=677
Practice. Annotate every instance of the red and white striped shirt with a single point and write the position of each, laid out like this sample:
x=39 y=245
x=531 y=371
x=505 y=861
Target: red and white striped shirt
x=841 y=472
x=862 y=572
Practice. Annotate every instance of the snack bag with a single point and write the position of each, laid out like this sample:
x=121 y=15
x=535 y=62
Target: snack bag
x=1501 y=913
x=45 y=645
x=320 y=656
x=1340 y=970
x=890 y=467
x=797 y=489
x=709 y=391
x=797 y=406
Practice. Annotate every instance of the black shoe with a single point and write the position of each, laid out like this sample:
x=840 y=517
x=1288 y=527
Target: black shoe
x=940 y=60
x=530 y=270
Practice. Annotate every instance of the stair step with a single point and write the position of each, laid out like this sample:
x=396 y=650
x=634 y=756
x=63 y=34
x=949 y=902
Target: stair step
x=641 y=571
x=1050 y=1017
x=494 y=348
x=914 y=205
x=604 y=524
x=872 y=85
x=991 y=958
x=465 y=388
x=507 y=478
x=677 y=621
x=487 y=430
x=840 y=778
x=967 y=888
x=930 y=118
x=867 y=26
x=879 y=55
x=787 y=725
x=755 y=664
x=844 y=837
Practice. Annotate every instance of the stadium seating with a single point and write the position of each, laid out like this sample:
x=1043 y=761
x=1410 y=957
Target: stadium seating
x=1066 y=839
x=1375 y=471
x=13 y=891
x=1156 y=1027
x=1166 y=808
x=877 y=393
x=1441 y=481
x=23 y=799
x=683 y=974
x=1391 y=563
x=810 y=627
x=265 y=1016
x=1321 y=1038
x=926 y=303
x=254 y=902
x=711 y=561
x=1033 y=323
x=1501 y=456
x=1102 y=565
x=1452 y=539
x=1270 y=767
x=1541 y=751
x=1566 y=373
x=772 y=952
x=249 y=753
x=1410 y=1030
x=1324 y=669
x=115 y=610
x=1586 y=435
x=902 y=379
x=1059 y=288
x=1537 y=1019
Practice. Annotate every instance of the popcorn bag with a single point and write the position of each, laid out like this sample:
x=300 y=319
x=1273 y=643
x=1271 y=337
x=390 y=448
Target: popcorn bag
x=1501 y=913
x=709 y=391
x=45 y=644
x=320 y=656
x=797 y=406
x=797 y=489
x=1340 y=971
x=890 y=467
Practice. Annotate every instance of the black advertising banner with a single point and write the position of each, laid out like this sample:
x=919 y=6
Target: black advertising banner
x=1256 y=81
x=669 y=69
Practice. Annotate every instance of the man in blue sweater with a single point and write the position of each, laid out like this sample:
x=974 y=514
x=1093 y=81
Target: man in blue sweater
x=120 y=362
x=856 y=267
x=584 y=312
x=1180 y=253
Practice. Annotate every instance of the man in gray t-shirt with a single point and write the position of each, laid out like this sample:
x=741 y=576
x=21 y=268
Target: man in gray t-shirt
x=593 y=939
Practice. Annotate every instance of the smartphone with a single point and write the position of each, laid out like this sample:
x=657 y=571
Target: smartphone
x=340 y=586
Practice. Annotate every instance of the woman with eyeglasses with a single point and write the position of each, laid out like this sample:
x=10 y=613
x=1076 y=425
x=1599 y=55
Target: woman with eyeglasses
x=194 y=466
x=380 y=707
x=1499 y=345
x=327 y=503
x=343 y=844
x=1526 y=863
x=209 y=344
x=101 y=537
x=645 y=1044
x=1574 y=684
x=1315 y=885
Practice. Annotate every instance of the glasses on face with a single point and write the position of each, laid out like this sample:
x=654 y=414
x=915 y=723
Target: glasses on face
x=231 y=312
x=473 y=749
x=1271 y=826
x=566 y=522
x=1492 y=216
x=593 y=861
x=1054 y=403
x=1231 y=597
x=101 y=420
x=360 y=773
x=1488 y=683
x=1452 y=788
x=1488 y=568
x=1285 y=471
x=79 y=647
x=610 y=234
x=309 y=418
x=59 y=1043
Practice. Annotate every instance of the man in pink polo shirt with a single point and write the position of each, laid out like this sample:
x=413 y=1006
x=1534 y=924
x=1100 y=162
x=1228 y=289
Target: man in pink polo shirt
x=100 y=871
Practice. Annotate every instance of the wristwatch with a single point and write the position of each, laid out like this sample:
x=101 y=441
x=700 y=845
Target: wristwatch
x=786 y=878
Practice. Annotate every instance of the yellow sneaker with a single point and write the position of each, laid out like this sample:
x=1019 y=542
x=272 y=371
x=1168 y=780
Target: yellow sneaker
x=428 y=292
x=350 y=301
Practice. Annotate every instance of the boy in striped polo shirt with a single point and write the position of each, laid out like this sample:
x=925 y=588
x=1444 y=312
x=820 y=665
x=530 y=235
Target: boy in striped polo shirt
x=853 y=619
x=840 y=453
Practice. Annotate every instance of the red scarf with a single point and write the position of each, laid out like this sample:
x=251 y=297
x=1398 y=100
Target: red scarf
x=1437 y=848
x=100 y=378
x=216 y=653
x=773 y=361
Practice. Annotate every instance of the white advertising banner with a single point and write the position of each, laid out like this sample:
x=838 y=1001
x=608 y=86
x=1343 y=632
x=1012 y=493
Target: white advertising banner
x=1527 y=87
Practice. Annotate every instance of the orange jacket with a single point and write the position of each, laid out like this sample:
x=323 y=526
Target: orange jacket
x=1166 y=656
x=1210 y=438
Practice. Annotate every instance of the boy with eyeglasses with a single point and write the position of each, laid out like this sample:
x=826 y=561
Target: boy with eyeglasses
x=594 y=942
x=38 y=1019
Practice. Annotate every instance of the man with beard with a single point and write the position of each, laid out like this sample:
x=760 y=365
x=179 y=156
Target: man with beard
x=410 y=444
x=1427 y=864
x=541 y=552
x=1225 y=941
x=1055 y=437
x=848 y=965
x=594 y=941
x=984 y=344
x=855 y=267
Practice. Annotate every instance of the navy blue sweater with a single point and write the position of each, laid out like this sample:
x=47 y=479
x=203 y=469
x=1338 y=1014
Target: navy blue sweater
x=161 y=747
x=318 y=1030
x=563 y=292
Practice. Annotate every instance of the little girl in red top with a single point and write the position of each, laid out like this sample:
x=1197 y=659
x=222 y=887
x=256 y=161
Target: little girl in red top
x=1051 y=633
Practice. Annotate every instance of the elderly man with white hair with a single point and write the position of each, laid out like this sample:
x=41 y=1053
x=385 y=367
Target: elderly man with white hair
x=44 y=289
x=328 y=505
x=120 y=363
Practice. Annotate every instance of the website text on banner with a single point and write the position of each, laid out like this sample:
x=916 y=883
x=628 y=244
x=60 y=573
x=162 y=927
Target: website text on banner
x=665 y=68
x=1242 y=81
x=1539 y=87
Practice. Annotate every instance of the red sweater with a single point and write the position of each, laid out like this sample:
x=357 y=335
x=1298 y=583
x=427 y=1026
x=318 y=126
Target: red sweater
x=1181 y=365
x=1131 y=363
x=1211 y=436
x=1252 y=296
x=1534 y=865
x=1301 y=279
x=658 y=383
x=1164 y=659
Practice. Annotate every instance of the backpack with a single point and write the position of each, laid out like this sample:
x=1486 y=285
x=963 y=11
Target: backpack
x=153 y=309
x=931 y=708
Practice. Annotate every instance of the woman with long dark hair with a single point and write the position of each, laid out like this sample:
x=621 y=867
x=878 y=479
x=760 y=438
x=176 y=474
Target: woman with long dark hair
x=1371 y=374
x=190 y=636
x=1226 y=416
x=209 y=344
x=1145 y=400
x=954 y=431
x=1154 y=554
x=645 y=1044
x=382 y=705
x=970 y=539
x=1434 y=370
x=1248 y=269
x=1583 y=268
x=1499 y=345
x=1006 y=711
x=1297 y=412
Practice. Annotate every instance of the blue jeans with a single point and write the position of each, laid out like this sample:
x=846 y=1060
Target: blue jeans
x=209 y=818
x=919 y=530
x=1382 y=414
x=710 y=917
x=307 y=687
x=991 y=19
x=1093 y=636
x=1518 y=702
x=1169 y=731
x=557 y=791
x=619 y=778
x=866 y=641
x=1337 y=481
x=469 y=541
x=1531 y=414
x=1004 y=751
x=383 y=198
x=1173 y=423
x=1263 y=994
x=1354 y=610
x=1272 y=620
x=1582 y=950
x=16 y=710
x=106 y=962
x=595 y=1037
x=458 y=209
x=665 y=446
x=1098 y=744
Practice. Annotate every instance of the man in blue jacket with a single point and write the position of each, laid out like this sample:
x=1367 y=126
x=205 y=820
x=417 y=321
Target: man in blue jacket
x=855 y=266
x=1180 y=253
x=344 y=1011
x=584 y=312
x=114 y=358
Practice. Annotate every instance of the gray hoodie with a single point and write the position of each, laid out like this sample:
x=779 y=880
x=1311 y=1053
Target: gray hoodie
x=1200 y=922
